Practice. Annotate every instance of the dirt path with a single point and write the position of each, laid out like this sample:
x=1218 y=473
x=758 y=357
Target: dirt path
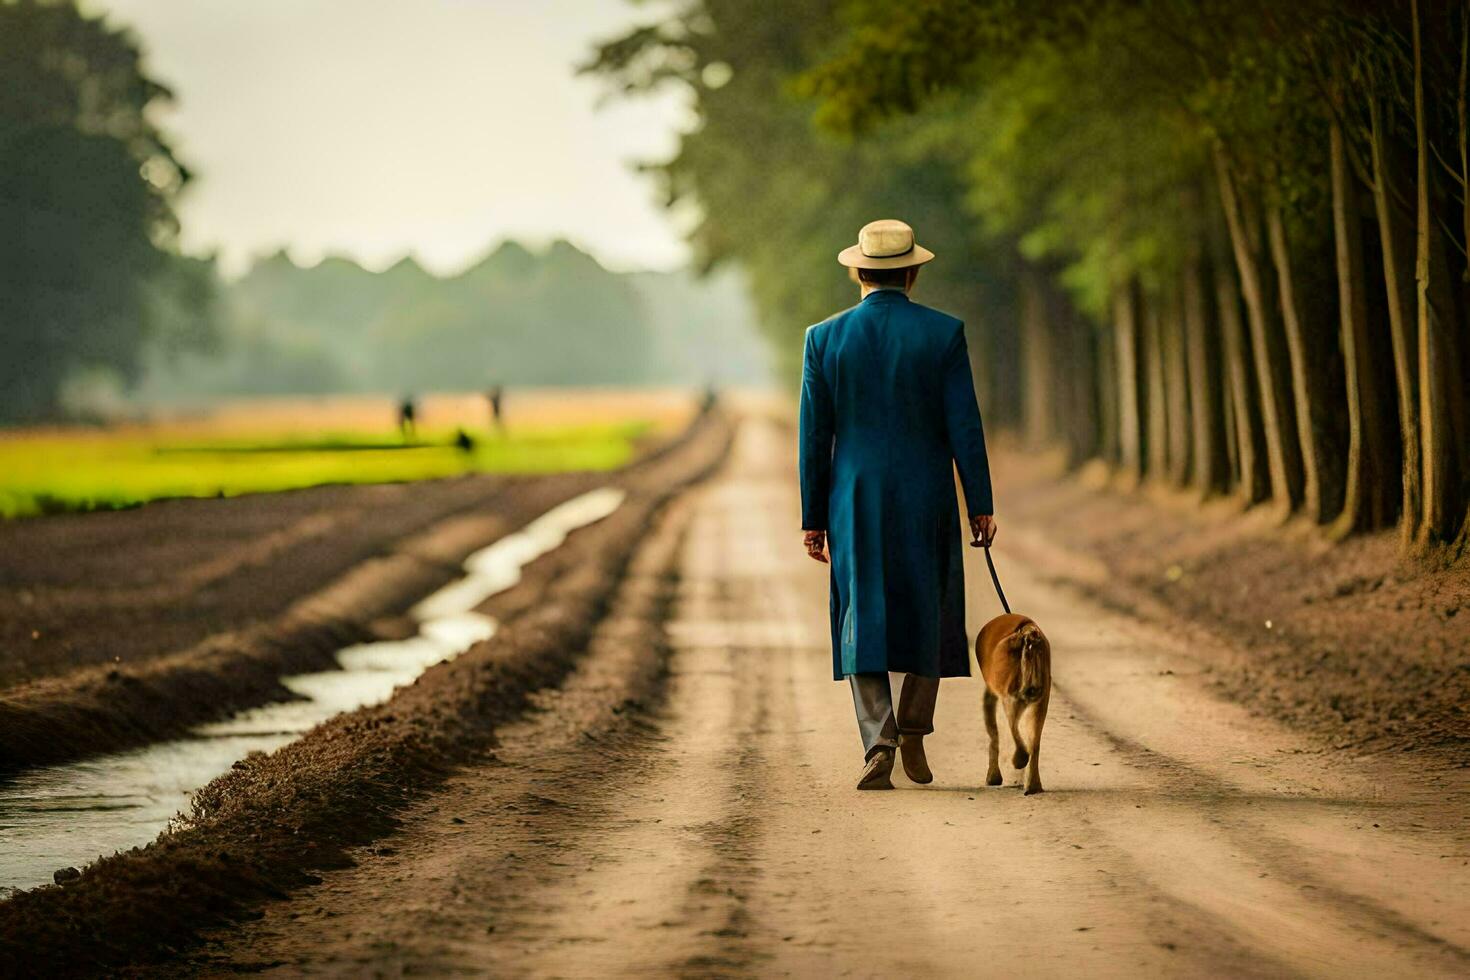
x=719 y=834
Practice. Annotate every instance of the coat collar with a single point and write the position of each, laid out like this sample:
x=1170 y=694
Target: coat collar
x=886 y=296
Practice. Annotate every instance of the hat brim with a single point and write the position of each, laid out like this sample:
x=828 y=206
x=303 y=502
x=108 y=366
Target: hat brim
x=853 y=258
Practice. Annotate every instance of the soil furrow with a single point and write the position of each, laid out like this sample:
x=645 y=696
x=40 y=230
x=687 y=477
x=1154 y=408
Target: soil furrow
x=498 y=829
x=113 y=707
x=274 y=821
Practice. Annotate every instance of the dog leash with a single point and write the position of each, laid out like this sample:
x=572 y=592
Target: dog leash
x=990 y=562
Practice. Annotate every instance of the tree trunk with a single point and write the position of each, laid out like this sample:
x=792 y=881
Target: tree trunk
x=1244 y=419
x=1321 y=482
x=1125 y=347
x=1039 y=360
x=1232 y=440
x=1439 y=423
x=1368 y=493
x=1211 y=461
x=1061 y=393
x=1462 y=114
x=1462 y=106
x=1077 y=400
x=1089 y=441
x=1107 y=396
x=1283 y=458
x=1156 y=430
x=1396 y=241
x=1176 y=388
x=997 y=357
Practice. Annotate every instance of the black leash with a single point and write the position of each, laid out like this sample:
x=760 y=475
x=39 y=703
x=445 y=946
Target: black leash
x=990 y=562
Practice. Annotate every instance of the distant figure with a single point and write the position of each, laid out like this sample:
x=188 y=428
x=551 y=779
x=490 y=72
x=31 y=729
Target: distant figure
x=887 y=414
x=711 y=396
x=407 y=411
x=463 y=440
x=495 y=397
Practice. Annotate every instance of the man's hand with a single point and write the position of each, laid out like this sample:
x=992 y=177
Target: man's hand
x=816 y=545
x=982 y=531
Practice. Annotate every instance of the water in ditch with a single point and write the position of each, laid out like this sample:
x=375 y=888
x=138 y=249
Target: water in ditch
x=68 y=816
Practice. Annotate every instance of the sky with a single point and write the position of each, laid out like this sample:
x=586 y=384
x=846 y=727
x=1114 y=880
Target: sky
x=379 y=128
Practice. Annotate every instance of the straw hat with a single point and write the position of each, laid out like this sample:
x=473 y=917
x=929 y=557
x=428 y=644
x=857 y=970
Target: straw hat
x=885 y=244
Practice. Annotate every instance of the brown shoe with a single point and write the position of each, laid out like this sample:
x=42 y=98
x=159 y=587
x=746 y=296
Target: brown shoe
x=879 y=770
x=915 y=765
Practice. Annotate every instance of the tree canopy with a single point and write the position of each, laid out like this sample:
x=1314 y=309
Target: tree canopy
x=88 y=267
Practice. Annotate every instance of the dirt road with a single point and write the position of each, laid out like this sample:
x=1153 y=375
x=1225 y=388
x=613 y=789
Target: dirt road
x=717 y=832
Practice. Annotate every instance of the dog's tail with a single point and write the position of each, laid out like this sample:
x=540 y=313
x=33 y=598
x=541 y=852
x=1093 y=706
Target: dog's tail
x=1033 y=682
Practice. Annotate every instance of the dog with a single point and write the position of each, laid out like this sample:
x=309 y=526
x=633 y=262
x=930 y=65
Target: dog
x=1015 y=659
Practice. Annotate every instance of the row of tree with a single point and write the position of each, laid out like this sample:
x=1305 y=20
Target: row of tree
x=1220 y=244
x=553 y=317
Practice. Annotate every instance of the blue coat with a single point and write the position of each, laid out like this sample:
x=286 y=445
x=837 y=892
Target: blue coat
x=887 y=402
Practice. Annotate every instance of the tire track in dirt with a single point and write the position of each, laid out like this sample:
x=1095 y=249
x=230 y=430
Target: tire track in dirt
x=670 y=890
x=815 y=859
x=1258 y=838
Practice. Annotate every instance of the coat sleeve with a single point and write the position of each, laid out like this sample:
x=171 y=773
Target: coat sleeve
x=814 y=449
x=963 y=427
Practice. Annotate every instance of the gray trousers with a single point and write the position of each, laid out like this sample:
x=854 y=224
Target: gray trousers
x=873 y=700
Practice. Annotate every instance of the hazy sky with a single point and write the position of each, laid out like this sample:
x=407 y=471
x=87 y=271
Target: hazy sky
x=380 y=127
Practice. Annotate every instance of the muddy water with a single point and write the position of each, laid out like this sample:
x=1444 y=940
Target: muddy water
x=64 y=816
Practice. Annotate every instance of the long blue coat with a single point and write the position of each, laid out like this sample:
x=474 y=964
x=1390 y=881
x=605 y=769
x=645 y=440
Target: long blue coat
x=887 y=403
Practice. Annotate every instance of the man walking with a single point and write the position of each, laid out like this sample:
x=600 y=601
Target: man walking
x=887 y=413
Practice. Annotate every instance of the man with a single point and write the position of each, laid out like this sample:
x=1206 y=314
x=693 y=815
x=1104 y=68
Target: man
x=886 y=404
x=496 y=397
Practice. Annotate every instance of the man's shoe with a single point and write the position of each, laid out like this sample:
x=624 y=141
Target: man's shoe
x=879 y=770
x=915 y=765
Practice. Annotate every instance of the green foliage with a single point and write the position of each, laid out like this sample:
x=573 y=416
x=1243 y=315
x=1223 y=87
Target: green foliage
x=1071 y=132
x=86 y=200
x=780 y=199
x=894 y=59
x=1093 y=115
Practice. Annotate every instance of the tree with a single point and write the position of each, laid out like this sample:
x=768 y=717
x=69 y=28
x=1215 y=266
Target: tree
x=1227 y=192
x=86 y=197
x=781 y=200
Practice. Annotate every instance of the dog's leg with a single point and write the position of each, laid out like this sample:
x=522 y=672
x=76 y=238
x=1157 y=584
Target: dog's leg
x=1035 y=718
x=1013 y=715
x=992 y=773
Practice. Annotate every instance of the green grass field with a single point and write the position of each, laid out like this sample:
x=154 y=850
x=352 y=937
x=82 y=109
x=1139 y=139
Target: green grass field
x=54 y=473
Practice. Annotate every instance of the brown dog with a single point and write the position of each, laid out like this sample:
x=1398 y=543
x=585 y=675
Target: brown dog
x=1015 y=659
